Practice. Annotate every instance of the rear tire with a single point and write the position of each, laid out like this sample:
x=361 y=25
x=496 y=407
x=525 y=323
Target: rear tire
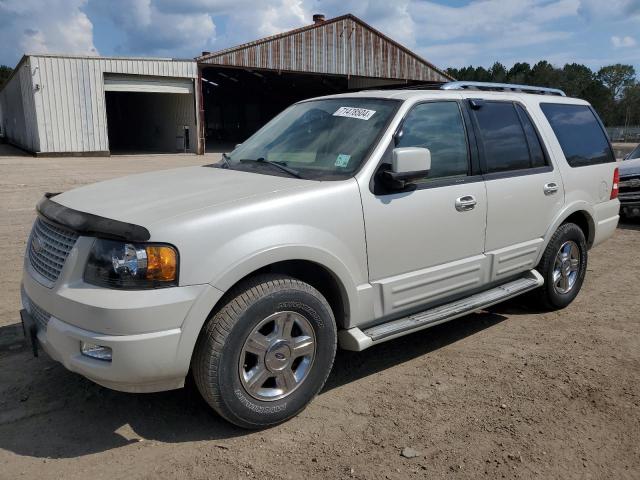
x=563 y=266
x=267 y=352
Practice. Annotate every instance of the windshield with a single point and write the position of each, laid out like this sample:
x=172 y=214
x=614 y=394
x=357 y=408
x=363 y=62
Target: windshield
x=635 y=154
x=318 y=139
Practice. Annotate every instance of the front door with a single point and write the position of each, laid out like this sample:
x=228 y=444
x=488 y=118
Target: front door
x=425 y=244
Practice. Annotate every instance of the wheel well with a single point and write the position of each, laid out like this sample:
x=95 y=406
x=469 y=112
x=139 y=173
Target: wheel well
x=583 y=220
x=319 y=278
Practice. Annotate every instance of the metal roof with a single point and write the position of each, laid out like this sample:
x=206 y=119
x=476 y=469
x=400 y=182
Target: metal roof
x=343 y=45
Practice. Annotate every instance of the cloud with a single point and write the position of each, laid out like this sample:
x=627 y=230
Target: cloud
x=451 y=33
x=485 y=31
x=150 y=29
x=623 y=42
x=31 y=26
x=598 y=10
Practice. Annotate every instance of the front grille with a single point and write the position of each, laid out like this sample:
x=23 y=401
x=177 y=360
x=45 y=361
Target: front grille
x=40 y=316
x=630 y=184
x=49 y=246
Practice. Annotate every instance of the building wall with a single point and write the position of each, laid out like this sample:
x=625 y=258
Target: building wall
x=17 y=110
x=70 y=103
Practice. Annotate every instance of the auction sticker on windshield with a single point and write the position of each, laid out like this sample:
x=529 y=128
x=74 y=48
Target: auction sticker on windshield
x=354 y=112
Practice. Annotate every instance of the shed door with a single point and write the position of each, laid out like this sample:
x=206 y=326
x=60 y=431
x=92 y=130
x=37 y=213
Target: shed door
x=144 y=84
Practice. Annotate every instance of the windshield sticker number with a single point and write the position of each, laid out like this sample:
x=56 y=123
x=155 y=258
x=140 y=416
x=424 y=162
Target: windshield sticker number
x=353 y=112
x=342 y=160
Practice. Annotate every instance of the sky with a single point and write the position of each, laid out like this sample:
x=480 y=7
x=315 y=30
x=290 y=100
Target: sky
x=449 y=33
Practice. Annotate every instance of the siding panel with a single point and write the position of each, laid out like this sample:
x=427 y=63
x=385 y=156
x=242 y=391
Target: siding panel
x=71 y=111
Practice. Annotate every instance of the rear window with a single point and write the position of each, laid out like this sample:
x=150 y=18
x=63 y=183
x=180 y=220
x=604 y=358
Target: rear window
x=580 y=134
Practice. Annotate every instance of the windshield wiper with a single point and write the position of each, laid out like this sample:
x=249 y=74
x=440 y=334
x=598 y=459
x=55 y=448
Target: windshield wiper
x=284 y=168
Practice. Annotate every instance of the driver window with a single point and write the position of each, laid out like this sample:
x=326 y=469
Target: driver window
x=438 y=126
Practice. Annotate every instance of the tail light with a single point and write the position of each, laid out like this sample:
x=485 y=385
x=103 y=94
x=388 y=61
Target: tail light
x=614 y=186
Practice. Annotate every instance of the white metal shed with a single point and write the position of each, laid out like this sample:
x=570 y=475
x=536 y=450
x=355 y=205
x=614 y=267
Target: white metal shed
x=66 y=104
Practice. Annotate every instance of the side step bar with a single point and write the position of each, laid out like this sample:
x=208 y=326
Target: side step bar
x=357 y=340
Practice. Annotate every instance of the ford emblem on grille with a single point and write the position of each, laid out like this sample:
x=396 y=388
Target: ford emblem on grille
x=36 y=244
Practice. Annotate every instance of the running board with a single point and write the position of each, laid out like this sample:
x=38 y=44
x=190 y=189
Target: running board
x=357 y=340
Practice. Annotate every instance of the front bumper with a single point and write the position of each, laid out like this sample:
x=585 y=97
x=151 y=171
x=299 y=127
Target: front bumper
x=630 y=203
x=141 y=363
x=151 y=333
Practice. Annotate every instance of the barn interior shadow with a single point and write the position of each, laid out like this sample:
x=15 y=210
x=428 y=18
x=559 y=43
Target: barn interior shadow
x=48 y=412
x=7 y=150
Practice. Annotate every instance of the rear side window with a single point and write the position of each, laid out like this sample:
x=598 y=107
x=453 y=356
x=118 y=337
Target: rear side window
x=580 y=134
x=502 y=137
x=538 y=158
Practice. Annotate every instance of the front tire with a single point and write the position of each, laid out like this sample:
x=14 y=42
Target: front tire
x=267 y=352
x=563 y=266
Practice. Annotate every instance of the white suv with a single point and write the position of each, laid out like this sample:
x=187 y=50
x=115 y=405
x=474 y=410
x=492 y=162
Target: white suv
x=350 y=219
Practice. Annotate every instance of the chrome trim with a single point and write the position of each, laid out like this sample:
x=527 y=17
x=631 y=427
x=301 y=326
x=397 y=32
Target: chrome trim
x=503 y=87
x=48 y=247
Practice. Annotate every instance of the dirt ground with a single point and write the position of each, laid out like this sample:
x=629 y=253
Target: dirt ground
x=508 y=393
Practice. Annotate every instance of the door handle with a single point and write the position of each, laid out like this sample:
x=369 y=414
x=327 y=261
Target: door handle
x=466 y=203
x=550 y=188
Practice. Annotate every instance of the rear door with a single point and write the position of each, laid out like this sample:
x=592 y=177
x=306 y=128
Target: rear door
x=524 y=190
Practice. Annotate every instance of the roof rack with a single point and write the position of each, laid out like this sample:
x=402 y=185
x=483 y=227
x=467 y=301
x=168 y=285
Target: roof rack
x=502 y=87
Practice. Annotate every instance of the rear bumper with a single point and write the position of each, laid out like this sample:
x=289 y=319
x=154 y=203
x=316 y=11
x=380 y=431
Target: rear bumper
x=607 y=215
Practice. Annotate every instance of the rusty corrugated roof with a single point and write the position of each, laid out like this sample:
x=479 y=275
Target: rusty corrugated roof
x=343 y=45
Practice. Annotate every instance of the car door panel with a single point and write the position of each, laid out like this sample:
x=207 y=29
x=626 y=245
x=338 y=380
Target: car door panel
x=426 y=244
x=524 y=191
x=409 y=290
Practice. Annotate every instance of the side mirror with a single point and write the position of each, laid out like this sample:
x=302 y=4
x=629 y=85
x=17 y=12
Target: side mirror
x=408 y=164
x=237 y=145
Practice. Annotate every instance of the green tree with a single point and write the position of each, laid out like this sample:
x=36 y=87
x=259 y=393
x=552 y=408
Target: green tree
x=630 y=106
x=616 y=78
x=576 y=79
x=5 y=73
x=498 y=73
x=543 y=74
x=519 y=73
x=613 y=90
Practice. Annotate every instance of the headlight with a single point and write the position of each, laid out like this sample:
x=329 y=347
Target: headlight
x=131 y=266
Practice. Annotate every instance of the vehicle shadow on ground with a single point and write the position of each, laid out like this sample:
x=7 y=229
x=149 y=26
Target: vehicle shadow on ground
x=629 y=224
x=48 y=412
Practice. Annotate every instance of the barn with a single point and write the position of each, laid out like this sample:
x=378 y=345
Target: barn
x=82 y=105
x=245 y=86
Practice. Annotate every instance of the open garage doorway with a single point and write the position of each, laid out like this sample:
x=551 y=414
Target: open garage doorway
x=150 y=115
x=237 y=102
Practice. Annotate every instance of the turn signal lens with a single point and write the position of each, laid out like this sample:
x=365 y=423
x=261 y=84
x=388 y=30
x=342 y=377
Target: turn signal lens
x=162 y=263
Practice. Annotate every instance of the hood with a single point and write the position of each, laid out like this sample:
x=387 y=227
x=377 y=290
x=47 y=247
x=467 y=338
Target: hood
x=628 y=168
x=148 y=198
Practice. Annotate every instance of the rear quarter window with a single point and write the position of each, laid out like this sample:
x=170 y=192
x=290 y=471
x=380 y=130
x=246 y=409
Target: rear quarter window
x=580 y=134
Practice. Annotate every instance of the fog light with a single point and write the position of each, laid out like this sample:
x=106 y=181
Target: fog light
x=95 y=351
